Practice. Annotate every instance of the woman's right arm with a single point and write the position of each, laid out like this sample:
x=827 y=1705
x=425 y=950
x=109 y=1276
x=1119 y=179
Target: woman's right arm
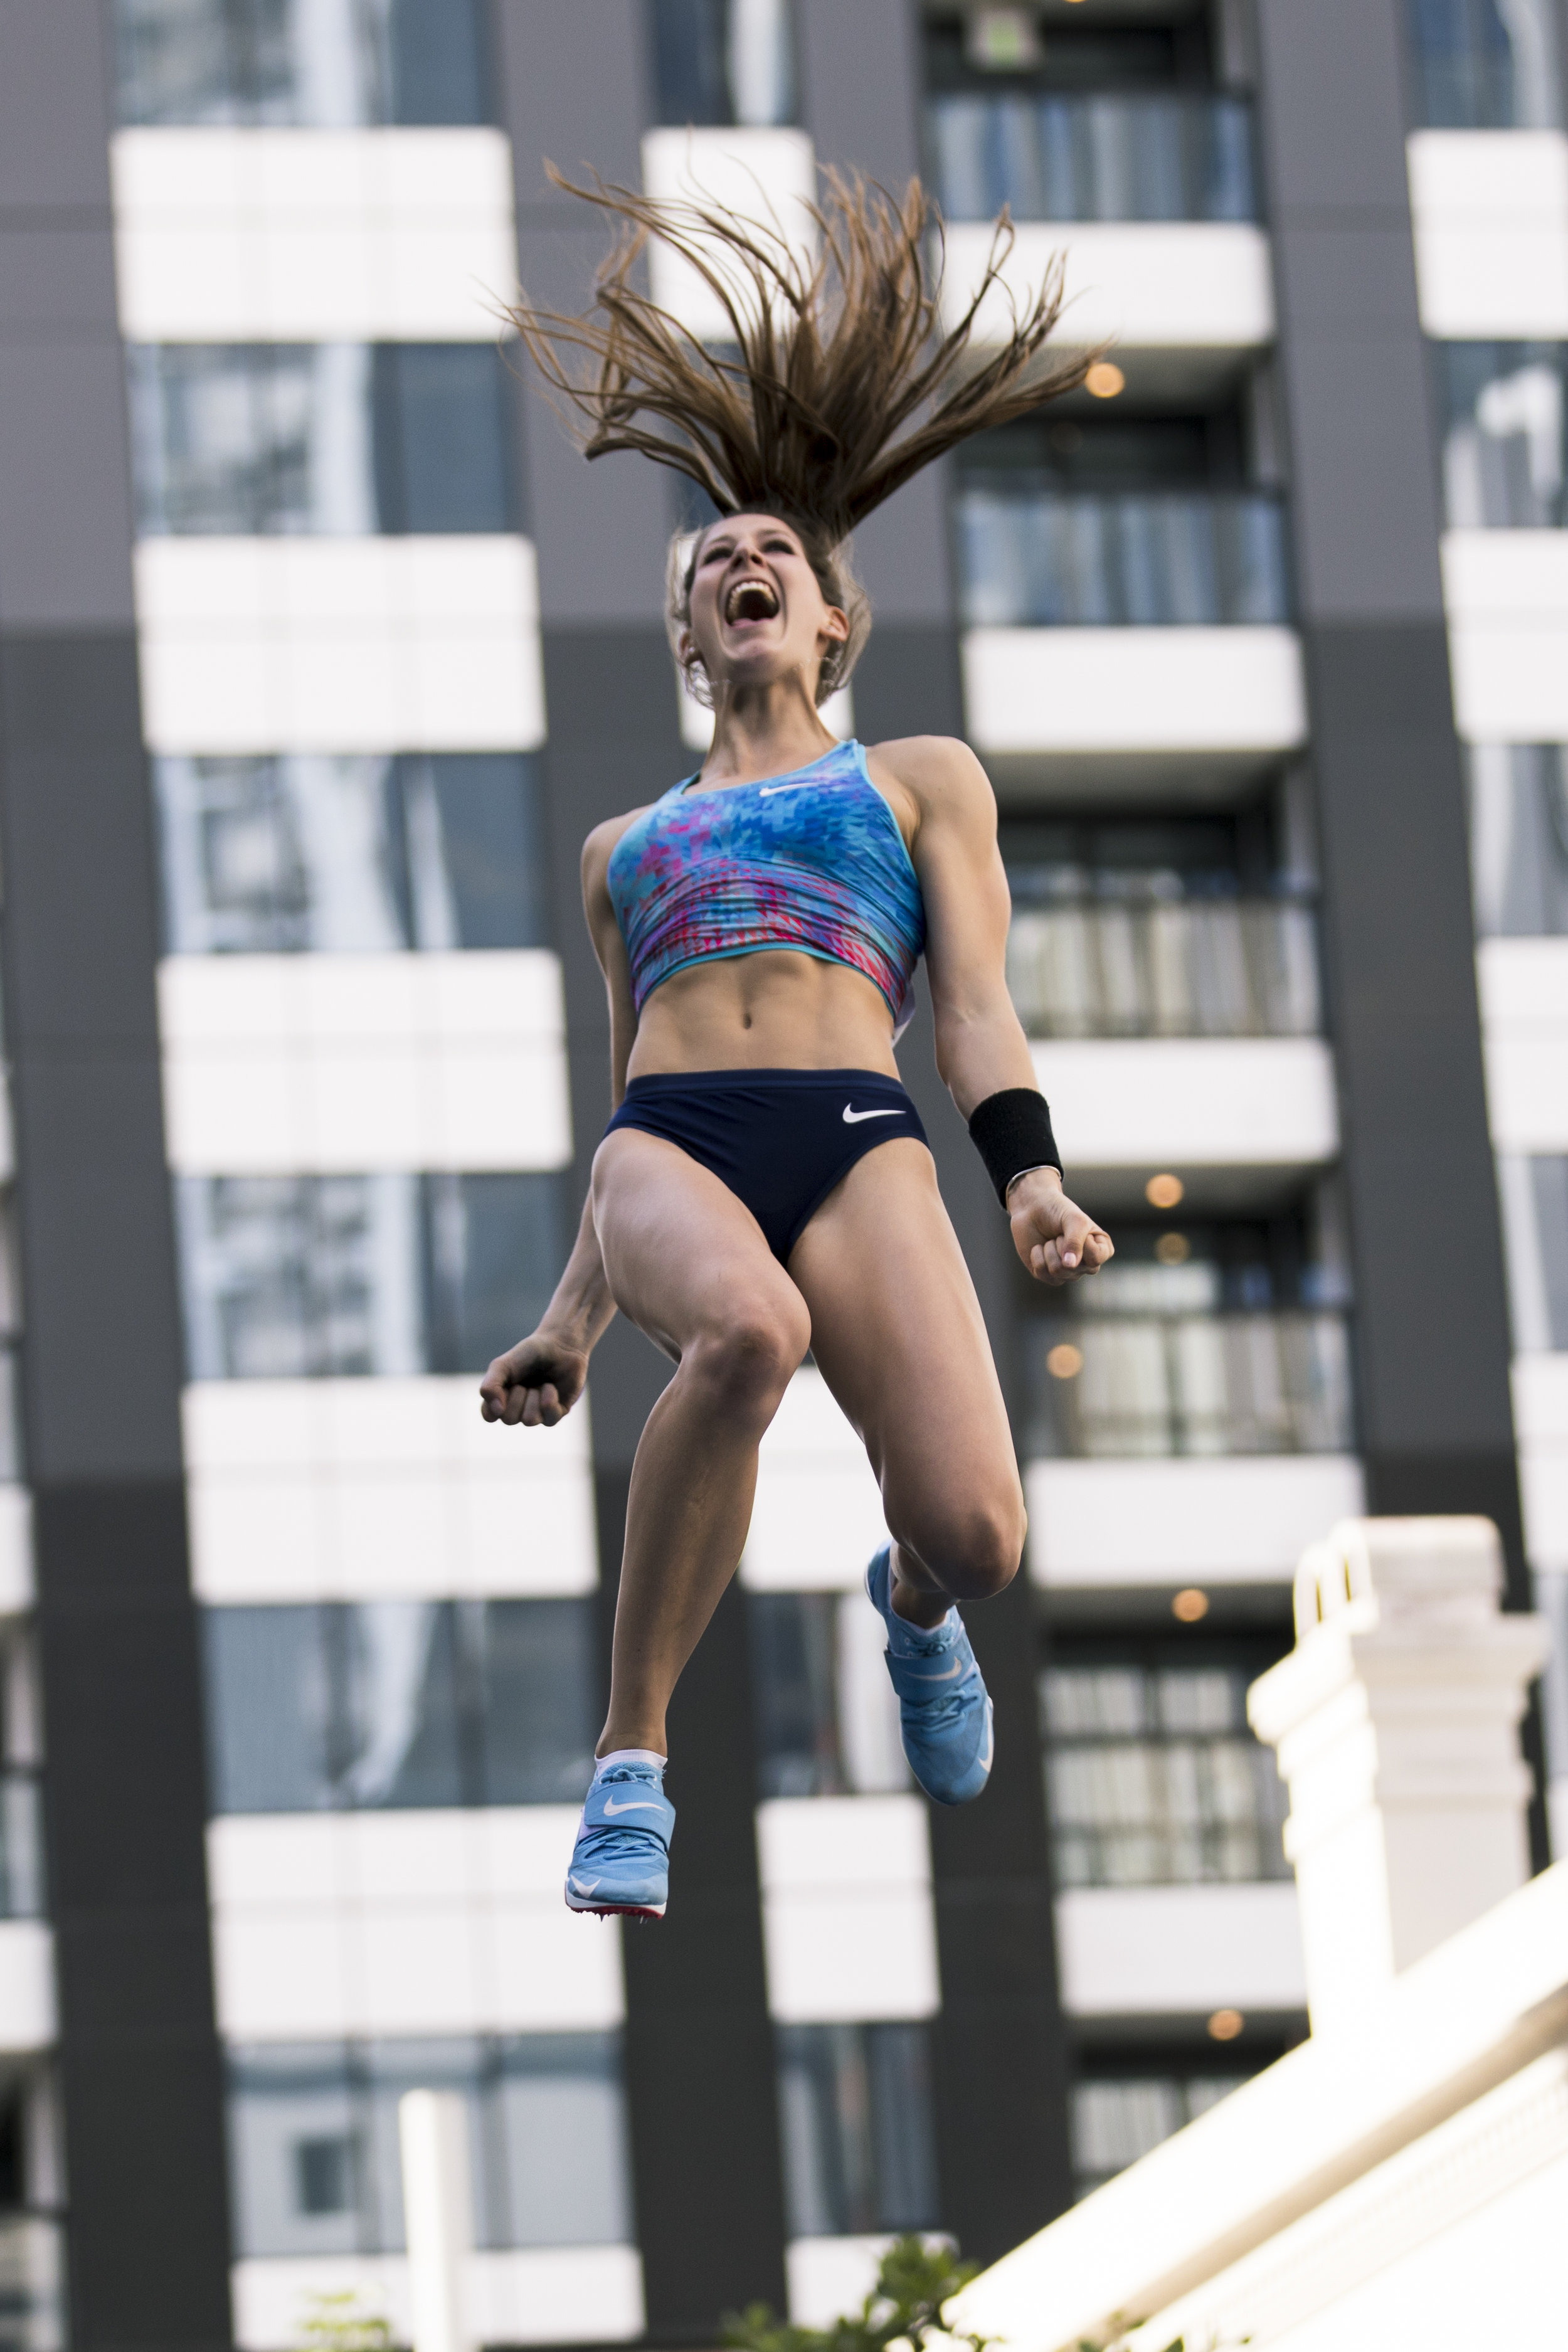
x=542 y=1377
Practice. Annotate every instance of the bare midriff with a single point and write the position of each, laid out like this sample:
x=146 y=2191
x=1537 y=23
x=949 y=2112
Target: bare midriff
x=775 y=1010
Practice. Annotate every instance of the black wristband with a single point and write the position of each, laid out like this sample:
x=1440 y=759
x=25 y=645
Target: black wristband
x=1012 y=1133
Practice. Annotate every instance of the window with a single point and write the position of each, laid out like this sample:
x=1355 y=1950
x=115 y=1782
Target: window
x=313 y=2140
x=340 y=438
x=1519 y=838
x=351 y=855
x=826 y=1716
x=1195 y=927
x=323 y=64
x=1486 y=65
x=297 y=1277
x=1534 y=1195
x=724 y=61
x=1116 y=2119
x=339 y=1706
x=1504 y=453
x=1153 y=1776
x=859 y=2150
x=1197 y=1339
x=22 y=1895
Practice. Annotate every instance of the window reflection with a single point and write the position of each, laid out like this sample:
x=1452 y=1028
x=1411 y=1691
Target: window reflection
x=1116 y=2119
x=1503 y=434
x=338 y=438
x=345 y=854
x=323 y=64
x=313 y=2140
x=826 y=1714
x=317 y=1277
x=1519 y=838
x=1486 y=65
x=1111 y=157
x=1154 y=1777
x=854 y=2109
x=717 y=62
x=395 y=1704
x=1534 y=1191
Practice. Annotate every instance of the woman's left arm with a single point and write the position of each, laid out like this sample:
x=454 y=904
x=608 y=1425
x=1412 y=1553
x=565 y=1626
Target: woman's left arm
x=981 y=1048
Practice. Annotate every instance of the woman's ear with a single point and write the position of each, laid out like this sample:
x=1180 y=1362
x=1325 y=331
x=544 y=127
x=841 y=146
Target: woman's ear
x=835 y=625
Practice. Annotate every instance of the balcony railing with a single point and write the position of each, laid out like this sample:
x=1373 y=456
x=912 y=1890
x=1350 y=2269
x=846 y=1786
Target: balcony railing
x=1047 y=559
x=1146 y=157
x=1135 y=1386
x=21 y=1846
x=1194 y=968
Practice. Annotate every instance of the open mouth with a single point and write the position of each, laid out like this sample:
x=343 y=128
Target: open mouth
x=751 y=600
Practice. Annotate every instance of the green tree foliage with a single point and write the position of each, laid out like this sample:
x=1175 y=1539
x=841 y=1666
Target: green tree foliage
x=913 y=2283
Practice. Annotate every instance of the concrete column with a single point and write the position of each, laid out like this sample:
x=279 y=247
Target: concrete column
x=1396 y=1721
x=438 y=2218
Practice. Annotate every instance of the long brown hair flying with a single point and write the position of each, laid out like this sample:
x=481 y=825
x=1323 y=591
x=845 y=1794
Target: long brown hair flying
x=837 y=383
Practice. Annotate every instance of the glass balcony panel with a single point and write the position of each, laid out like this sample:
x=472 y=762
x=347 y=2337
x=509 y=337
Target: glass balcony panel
x=323 y=65
x=21 y=1886
x=1213 y=968
x=1048 y=559
x=856 y=2118
x=1116 y=2121
x=1102 y=156
x=1148 y=1387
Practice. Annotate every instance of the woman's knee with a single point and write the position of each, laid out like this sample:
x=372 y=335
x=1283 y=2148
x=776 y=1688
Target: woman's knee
x=973 y=1551
x=747 y=1356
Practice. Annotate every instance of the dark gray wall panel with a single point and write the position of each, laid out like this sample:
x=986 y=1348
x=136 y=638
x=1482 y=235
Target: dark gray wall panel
x=570 y=86
x=55 y=105
x=1333 y=118
x=860 y=85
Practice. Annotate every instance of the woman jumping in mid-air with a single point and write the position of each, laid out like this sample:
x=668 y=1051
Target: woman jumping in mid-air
x=764 y=1185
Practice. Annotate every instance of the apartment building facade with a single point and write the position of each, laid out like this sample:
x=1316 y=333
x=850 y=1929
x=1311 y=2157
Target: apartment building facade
x=321 y=650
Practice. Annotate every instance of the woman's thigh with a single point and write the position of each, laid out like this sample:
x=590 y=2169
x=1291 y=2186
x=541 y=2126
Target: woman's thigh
x=898 y=1334
x=685 y=1259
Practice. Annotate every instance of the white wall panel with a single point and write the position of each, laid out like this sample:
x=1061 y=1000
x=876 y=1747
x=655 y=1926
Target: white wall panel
x=1523 y=987
x=16 y=1549
x=1128 y=1952
x=765 y=176
x=431 y=1922
x=1191 y=1102
x=27 y=1985
x=1491 y=211
x=1507 y=597
x=277 y=235
x=285 y=1064
x=537 y=2294
x=423 y=644
x=818 y=1513
x=1241 y=1521
x=1151 y=284
x=848 y=1922
x=1540 y=1421
x=828 y=2277
x=1228 y=690
x=358 y=1489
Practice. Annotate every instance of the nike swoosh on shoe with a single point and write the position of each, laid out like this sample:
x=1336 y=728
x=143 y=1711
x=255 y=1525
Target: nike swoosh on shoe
x=638 y=1805
x=853 y=1118
x=951 y=1676
x=582 y=1885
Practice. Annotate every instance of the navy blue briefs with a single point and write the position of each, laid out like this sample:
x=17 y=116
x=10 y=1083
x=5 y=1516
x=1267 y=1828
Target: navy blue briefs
x=781 y=1139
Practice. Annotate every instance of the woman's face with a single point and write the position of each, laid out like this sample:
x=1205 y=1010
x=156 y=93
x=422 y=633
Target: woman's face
x=757 y=611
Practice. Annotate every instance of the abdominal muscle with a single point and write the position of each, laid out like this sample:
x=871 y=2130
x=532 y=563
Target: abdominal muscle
x=775 y=1010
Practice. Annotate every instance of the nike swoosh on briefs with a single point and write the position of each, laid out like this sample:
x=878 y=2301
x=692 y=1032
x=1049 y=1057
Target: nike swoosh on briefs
x=640 y=1805
x=853 y=1118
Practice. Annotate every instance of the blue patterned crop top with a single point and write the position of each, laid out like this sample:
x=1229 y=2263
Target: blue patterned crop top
x=813 y=860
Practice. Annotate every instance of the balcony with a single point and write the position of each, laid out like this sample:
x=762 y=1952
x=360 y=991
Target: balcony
x=1109 y=156
x=1236 y=968
x=1043 y=559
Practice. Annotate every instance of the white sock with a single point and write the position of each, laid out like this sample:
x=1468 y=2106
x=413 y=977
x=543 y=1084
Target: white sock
x=628 y=1756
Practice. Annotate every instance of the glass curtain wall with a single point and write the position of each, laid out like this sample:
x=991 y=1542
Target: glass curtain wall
x=724 y=62
x=1502 y=408
x=825 y=1715
x=854 y=2109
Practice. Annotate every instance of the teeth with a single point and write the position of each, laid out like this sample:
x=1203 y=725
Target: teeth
x=751 y=600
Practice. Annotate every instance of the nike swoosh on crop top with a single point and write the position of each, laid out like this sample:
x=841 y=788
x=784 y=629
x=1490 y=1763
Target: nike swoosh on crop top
x=813 y=861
